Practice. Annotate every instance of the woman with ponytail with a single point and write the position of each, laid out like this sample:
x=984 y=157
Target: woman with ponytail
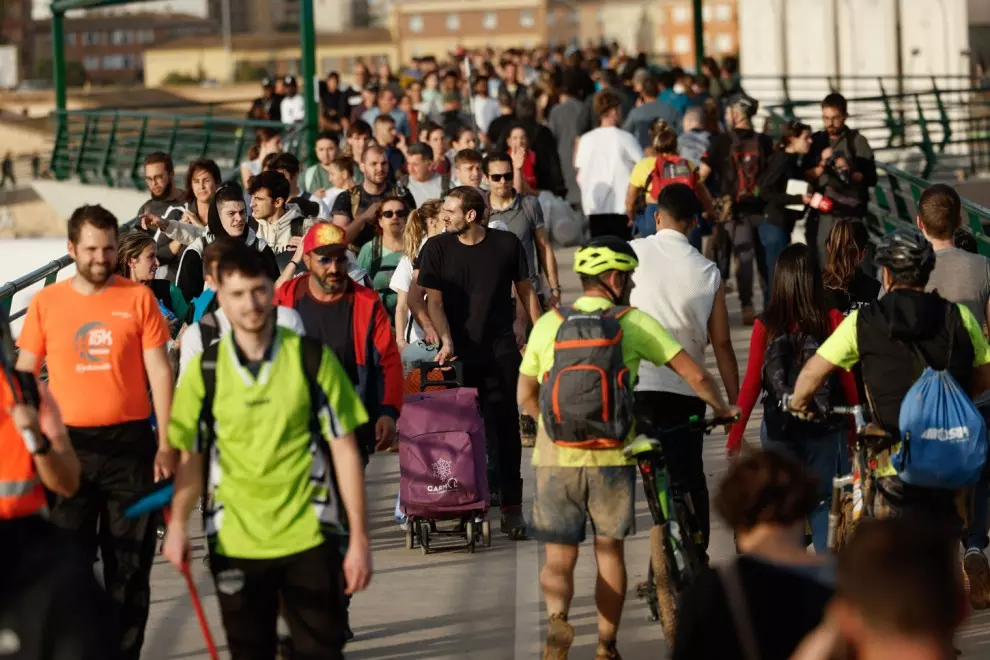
x=847 y=286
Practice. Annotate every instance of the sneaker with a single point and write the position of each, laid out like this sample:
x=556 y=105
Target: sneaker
x=527 y=430
x=748 y=315
x=607 y=651
x=977 y=571
x=560 y=636
x=513 y=523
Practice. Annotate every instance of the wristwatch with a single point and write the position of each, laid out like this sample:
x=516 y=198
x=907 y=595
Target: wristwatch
x=556 y=290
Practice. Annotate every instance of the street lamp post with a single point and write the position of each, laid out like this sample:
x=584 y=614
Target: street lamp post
x=699 y=34
x=308 y=66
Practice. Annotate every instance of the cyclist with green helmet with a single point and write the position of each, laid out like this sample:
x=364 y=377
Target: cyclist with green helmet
x=577 y=377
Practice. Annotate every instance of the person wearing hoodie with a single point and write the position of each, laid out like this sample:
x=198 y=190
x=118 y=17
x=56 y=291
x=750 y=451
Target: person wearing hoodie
x=886 y=338
x=281 y=224
x=228 y=217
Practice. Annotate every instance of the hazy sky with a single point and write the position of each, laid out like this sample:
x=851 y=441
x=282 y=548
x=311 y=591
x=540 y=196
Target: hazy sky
x=195 y=7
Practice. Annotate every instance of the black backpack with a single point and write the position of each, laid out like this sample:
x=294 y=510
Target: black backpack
x=783 y=359
x=586 y=400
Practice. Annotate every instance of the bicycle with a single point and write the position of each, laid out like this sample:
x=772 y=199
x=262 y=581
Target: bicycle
x=675 y=538
x=868 y=436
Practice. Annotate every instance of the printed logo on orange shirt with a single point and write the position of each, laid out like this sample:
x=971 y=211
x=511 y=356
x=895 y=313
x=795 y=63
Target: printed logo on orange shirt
x=93 y=342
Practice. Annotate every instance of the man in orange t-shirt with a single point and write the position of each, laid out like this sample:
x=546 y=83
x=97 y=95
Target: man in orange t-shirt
x=104 y=339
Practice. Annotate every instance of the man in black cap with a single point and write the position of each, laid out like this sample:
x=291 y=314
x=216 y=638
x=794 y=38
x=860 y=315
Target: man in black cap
x=269 y=104
x=293 y=105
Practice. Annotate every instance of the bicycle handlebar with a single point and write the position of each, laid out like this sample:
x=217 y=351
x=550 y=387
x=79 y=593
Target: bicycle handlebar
x=857 y=412
x=647 y=435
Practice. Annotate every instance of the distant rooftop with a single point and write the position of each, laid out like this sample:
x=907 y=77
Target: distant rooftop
x=135 y=20
x=279 y=40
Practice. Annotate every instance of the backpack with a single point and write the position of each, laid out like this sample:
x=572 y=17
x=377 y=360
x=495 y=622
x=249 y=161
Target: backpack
x=748 y=162
x=668 y=170
x=586 y=400
x=209 y=329
x=783 y=359
x=943 y=435
x=312 y=358
x=376 y=262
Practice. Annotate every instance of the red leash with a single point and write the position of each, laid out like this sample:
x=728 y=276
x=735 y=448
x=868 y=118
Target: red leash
x=204 y=626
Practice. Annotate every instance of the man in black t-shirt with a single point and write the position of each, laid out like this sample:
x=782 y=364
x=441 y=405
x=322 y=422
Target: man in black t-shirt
x=469 y=273
x=357 y=207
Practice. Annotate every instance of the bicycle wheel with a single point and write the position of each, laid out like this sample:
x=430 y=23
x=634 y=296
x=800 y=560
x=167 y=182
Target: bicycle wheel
x=691 y=552
x=660 y=586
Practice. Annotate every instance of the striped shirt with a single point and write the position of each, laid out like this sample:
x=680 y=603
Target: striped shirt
x=676 y=285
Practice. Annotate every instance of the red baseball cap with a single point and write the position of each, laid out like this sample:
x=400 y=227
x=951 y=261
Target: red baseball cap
x=324 y=235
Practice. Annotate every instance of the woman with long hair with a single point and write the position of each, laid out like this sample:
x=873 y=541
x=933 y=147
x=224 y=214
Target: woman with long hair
x=137 y=261
x=847 y=286
x=783 y=591
x=424 y=223
x=779 y=219
x=798 y=318
x=266 y=141
x=381 y=255
x=653 y=172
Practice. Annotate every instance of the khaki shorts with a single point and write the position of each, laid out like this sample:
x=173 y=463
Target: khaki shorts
x=567 y=497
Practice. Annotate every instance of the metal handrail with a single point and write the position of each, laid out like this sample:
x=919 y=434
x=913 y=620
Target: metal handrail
x=47 y=274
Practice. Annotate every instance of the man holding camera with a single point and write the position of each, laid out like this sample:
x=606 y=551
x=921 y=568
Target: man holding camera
x=841 y=166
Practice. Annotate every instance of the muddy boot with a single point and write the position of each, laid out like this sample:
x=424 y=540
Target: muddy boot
x=560 y=636
x=607 y=651
x=513 y=523
x=527 y=430
x=977 y=573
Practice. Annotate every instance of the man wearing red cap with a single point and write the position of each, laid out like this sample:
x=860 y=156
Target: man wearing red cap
x=350 y=319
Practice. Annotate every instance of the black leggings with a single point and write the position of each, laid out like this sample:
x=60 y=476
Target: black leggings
x=309 y=587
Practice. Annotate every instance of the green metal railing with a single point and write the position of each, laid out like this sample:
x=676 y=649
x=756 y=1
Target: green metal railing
x=109 y=146
x=946 y=128
x=47 y=274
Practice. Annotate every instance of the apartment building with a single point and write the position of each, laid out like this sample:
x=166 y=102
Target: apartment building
x=17 y=28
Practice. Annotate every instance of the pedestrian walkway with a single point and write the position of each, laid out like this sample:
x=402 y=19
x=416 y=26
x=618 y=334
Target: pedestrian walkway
x=485 y=606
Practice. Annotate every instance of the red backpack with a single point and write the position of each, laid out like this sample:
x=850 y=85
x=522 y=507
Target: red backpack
x=668 y=170
x=748 y=163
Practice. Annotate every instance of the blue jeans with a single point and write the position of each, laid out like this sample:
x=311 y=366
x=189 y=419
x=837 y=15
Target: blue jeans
x=774 y=240
x=822 y=457
x=646 y=224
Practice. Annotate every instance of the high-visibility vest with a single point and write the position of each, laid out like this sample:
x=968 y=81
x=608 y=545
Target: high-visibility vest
x=21 y=492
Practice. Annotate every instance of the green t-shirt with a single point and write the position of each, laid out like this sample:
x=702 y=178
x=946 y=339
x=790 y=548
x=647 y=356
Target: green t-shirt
x=381 y=274
x=271 y=484
x=643 y=338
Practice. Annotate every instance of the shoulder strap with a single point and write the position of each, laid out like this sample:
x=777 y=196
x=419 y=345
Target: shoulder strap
x=310 y=175
x=209 y=331
x=355 y=194
x=376 y=253
x=312 y=358
x=739 y=609
x=208 y=367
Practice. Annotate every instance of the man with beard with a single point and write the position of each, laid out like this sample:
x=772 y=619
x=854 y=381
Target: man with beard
x=350 y=319
x=105 y=335
x=159 y=176
x=469 y=273
x=357 y=208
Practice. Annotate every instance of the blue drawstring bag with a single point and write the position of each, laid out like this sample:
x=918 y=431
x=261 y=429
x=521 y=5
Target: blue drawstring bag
x=943 y=435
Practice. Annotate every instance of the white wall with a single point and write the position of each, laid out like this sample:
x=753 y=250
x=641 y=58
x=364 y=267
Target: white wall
x=67 y=196
x=938 y=30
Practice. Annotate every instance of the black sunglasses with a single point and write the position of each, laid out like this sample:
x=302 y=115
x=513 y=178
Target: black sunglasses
x=399 y=214
x=495 y=178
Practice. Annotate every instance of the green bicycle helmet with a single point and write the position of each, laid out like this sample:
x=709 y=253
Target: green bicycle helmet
x=604 y=253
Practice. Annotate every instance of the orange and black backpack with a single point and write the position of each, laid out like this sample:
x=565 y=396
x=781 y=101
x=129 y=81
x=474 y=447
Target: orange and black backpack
x=668 y=170
x=586 y=399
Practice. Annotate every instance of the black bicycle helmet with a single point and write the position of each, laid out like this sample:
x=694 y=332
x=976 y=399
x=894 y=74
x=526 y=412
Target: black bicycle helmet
x=905 y=250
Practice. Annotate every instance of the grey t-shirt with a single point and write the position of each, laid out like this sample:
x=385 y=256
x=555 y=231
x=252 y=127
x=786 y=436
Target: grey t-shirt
x=523 y=218
x=640 y=119
x=421 y=192
x=962 y=277
x=568 y=121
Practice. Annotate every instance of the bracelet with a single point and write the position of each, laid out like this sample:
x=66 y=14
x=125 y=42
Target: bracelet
x=556 y=289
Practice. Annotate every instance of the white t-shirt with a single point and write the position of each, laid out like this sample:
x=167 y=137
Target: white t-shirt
x=676 y=285
x=605 y=158
x=402 y=279
x=485 y=112
x=424 y=191
x=191 y=343
x=293 y=109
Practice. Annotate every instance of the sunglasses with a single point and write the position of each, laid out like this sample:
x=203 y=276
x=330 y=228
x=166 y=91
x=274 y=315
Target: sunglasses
x=326 y=260
x=495 y=178
x=398 y=214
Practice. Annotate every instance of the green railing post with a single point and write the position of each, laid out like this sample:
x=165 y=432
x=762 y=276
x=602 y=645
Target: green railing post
x=136 y=179
x=109 y=150
x=926 y=140
x=60 y=151
x=943 y=117
x=896 y=129
x=173 y=137
x=208 y=133
x=77 y=166
x=58 y=65
x=699 y=34
x=308 y=55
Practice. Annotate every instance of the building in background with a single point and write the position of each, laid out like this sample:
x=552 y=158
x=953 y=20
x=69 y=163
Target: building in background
x=197 y=8
x=17 y=29
x=274 y=54
x=111 y=48
x=436 y=27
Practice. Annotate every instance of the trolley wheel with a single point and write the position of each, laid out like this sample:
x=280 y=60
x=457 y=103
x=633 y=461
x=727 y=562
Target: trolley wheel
x=470 y=532
x=424 y=538
x=486 y=533
x=410 y=536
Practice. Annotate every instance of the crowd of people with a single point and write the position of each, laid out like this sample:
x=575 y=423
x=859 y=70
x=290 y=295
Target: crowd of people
x=273 y=317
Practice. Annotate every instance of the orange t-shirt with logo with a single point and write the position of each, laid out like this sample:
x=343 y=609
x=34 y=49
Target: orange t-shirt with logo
x=94 y=345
